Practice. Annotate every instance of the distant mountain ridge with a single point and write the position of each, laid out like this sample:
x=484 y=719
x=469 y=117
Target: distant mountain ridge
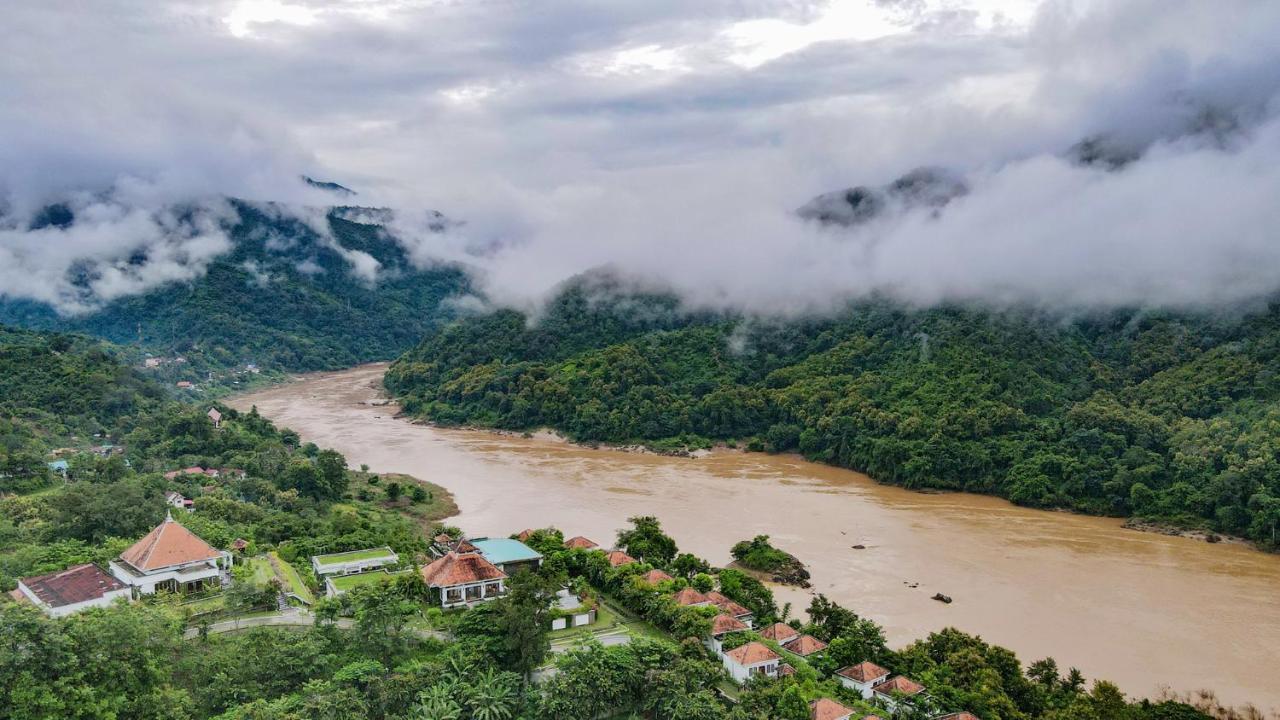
x=283 y=297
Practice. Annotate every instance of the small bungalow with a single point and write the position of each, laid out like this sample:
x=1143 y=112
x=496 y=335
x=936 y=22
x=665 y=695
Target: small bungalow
x=689 y=597
x=69 y=591
x=464 y=579
x=177 y=500
x=239 y=545
x=509 y=555
x=185 y=384
x=60 y=466
x=722 y=625
x=828 y=709
x=805 y=645
x=754 y=658
x=962 y=715
x=655 y=576
x=780 y=633
x=617 y=558
x=579 y=543
x=216 y=417
x=170 y=557
x=354 y=561
x=862 y=677
x=193 y=470
x=729 y=606
x=890 y=692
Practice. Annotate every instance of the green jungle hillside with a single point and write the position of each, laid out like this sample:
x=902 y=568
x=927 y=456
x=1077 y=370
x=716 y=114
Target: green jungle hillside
x=283 y=298
x=1159 y=415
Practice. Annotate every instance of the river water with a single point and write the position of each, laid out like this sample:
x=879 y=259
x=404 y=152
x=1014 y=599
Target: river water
x=1145 y=610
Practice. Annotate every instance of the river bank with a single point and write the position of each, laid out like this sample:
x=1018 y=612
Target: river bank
x=1145 y=610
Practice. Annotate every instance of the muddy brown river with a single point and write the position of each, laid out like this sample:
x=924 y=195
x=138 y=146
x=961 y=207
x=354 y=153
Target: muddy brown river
x=1145 y=610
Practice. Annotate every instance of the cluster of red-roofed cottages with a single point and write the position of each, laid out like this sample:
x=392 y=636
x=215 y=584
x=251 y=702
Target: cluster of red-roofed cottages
x=464 y=572
x=170 y=557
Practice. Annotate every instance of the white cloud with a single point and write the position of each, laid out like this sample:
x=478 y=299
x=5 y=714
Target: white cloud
x=667 y=138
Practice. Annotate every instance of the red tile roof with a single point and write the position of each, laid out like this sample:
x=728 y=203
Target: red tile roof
x=464 y=546
x=722 y=624
x=863 y=672
x=780 y=633
x=617 y=558
x=689 y=596
x=459 y=569
x=579 y=542
x=525 y=534
x=962 y=715
x=727 y=605
x=899 y=684
x=827 y=709
x=655 y=576
x=167 y=545
x=785 y=670
x=73 y=585
x=753 y=653
x=871 y=717
x=805 y=645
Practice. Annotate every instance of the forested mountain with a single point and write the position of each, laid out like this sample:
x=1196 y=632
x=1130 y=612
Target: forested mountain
x=284 y=297
x=1152 y=414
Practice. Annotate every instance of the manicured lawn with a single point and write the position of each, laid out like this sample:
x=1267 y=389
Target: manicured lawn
x=262 y=572
x=633 y=623
x=349 y=582
x=293 y=581
x=352 y=556
x=609 y=616
x=203 y=606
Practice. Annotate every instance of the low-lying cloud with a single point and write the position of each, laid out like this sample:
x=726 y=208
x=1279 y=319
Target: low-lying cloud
x=1112 y=153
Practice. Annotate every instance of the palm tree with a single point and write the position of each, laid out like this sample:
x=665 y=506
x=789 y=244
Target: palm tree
x=437 y=703
x=492 y=696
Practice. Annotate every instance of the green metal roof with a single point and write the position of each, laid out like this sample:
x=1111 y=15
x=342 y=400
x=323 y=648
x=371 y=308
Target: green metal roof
x=505 y=550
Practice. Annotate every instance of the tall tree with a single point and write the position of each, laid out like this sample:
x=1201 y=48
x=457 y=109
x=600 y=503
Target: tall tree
x=524 y=617
x=645 y=540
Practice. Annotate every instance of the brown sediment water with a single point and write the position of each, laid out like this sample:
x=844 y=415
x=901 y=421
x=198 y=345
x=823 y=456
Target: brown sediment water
x=1144 y=610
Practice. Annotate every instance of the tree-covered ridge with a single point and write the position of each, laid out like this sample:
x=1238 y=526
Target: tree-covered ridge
x=56 y=387
x=68 y=381
x=284 y=297
x=1159 y=415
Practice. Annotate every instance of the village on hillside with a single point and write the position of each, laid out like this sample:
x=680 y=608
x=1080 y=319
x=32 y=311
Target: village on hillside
x=603 y=602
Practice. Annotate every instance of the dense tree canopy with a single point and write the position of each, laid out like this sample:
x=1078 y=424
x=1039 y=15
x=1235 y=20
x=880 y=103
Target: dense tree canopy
x=1156 y=415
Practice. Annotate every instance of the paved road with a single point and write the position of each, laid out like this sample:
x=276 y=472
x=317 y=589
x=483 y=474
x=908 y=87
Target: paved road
x=294 y=618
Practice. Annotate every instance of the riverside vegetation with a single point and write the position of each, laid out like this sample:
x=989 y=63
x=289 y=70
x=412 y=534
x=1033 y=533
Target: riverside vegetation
x=294 y=499
x=1168 y=417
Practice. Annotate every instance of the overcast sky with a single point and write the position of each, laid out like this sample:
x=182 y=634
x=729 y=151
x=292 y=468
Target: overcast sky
x=670 y=139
